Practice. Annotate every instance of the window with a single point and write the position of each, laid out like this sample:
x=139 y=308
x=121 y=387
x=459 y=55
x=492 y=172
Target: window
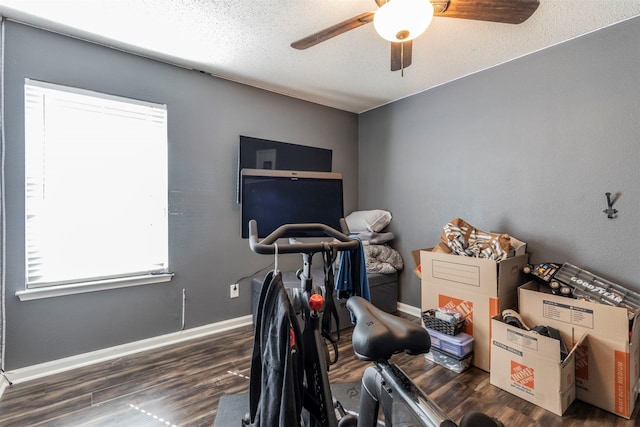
x=96 y=189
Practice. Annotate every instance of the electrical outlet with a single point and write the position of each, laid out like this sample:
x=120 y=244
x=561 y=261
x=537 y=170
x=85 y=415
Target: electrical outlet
x=234 y=290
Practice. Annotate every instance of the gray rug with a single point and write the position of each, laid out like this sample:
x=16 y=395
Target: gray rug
x=232 y=407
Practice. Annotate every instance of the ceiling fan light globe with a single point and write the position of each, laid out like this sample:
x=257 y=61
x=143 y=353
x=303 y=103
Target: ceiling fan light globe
x=403 y=20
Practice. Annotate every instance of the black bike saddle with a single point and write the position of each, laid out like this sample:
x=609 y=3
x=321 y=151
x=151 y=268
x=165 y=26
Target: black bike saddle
x=379 y=335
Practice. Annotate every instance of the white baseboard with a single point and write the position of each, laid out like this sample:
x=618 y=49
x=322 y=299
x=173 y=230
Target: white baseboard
x=409 y=309
x=29 y=373
x=4 y=383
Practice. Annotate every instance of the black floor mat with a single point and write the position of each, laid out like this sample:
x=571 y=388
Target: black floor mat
x=232 y=407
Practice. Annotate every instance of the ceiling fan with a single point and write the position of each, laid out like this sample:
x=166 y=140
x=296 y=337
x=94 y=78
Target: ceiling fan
x=412 y=17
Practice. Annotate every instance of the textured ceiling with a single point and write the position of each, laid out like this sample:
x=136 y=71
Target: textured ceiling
x=248 y=41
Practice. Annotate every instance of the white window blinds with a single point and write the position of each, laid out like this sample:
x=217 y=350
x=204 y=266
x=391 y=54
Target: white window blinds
x=96 y=186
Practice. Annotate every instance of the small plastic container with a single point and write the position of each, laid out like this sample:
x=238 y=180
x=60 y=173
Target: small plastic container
x=459 y=345
x=449 y=361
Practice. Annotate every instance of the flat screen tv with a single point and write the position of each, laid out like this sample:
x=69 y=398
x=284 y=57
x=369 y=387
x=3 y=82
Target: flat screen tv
x=275 y=197
x=257 y=153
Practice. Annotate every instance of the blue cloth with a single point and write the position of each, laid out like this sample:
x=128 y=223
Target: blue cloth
x=352 y=275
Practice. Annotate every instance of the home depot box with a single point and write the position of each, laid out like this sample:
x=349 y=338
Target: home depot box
x=415 y=254
x=607 y=361
x=529 y=366
x=479 y=288
x=442 y=248
x=516 y=248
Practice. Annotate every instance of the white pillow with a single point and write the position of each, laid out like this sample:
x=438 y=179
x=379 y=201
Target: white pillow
x=373 y=220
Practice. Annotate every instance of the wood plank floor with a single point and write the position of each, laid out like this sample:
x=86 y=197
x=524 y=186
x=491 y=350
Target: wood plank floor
x=181 y=385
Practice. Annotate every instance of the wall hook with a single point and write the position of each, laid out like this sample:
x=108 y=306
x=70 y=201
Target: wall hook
x=610 y=211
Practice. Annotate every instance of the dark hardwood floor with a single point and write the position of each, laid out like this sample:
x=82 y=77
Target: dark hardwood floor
x=180 y=385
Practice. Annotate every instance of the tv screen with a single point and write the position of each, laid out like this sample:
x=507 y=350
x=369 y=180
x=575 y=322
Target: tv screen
x=274 y=198
x=257 y=153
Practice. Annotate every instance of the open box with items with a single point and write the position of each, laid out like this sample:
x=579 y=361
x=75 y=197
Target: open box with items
x=533 y=366
x=607 y=360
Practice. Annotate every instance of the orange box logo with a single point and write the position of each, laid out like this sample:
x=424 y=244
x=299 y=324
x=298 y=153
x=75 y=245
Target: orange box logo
x=622 y=391
x=522 y=375
x=582 y=362
x=461 y=306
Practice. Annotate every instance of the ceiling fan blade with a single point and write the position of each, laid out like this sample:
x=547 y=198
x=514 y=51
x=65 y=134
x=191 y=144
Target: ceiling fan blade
x=505 y=11
x=401 y=55
x=334 y=30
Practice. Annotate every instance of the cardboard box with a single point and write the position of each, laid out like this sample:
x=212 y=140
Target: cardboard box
x=440 y=248
x=415 y=254
x=479 y=288
x=517 y=248
x=529 y=366
x=607 y=361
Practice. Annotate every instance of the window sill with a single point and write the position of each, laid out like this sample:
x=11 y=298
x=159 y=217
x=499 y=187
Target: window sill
x=98 y=285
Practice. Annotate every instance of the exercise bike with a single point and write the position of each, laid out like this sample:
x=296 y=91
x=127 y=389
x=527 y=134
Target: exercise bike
x=377 y=336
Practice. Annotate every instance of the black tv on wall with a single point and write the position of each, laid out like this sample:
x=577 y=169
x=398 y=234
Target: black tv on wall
x=257 y=153
x=274 y=198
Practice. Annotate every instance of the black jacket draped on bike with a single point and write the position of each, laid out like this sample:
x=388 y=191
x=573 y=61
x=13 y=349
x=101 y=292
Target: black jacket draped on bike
x=276 y=365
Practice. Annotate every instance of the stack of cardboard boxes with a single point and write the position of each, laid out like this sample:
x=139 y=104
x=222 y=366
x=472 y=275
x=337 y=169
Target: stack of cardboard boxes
x=603 y=362
x=479 y=288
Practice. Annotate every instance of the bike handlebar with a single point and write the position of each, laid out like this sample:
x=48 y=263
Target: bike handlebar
x=266 y=246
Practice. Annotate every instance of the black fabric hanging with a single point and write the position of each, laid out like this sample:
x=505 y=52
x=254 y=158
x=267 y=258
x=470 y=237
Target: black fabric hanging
x=275 y=388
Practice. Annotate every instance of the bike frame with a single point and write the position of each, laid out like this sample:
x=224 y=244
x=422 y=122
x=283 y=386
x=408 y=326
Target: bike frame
x=385 y=384
x=318 y=400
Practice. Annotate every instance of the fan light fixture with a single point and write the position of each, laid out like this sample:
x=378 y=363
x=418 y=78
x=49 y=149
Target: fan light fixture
x=403 y=20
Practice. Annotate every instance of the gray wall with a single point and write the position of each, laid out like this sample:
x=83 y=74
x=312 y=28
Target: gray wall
x=206 y=117
x=528 y=148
